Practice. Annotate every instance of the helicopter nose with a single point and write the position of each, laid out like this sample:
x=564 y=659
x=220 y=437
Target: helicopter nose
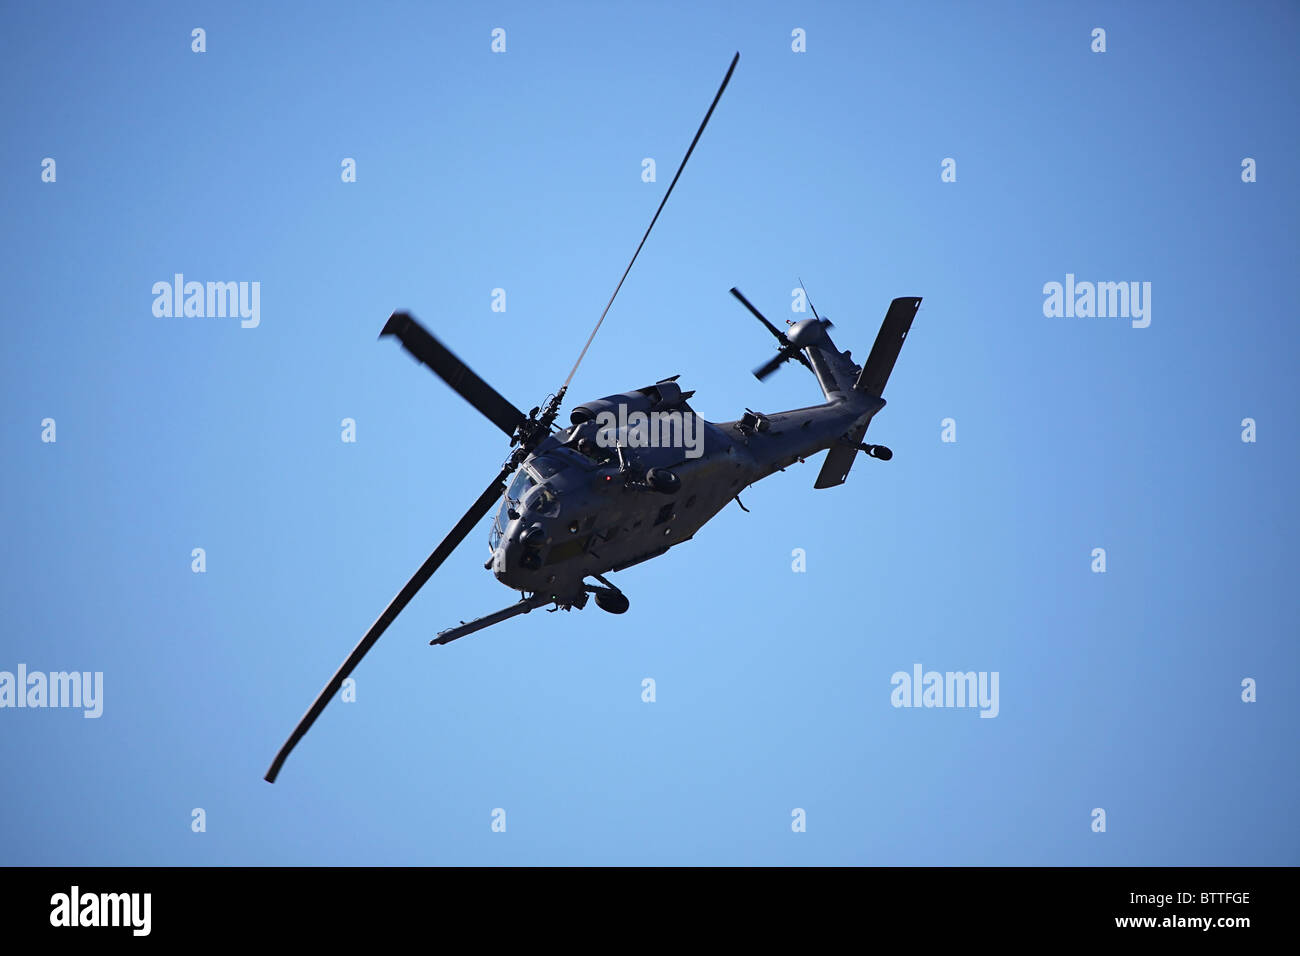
x=518 y=556
x=505 y=560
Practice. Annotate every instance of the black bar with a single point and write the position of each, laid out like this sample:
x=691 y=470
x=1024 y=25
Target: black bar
x=975 y=905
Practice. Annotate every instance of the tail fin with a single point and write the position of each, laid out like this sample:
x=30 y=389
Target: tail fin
x=880 y=363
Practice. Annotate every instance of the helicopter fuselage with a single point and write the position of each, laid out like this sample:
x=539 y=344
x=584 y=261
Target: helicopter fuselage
x=585 y=502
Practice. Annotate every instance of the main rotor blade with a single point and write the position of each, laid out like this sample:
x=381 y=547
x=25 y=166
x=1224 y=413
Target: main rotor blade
x=416 y=339
x=725 y=80
x=780 y=336
x=463 y=527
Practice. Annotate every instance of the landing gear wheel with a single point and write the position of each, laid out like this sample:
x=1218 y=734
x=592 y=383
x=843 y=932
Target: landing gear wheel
x=615 y=602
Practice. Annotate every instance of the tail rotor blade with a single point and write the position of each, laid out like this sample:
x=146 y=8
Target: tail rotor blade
x=788 y=350
x=780 y=336
x=771 y=365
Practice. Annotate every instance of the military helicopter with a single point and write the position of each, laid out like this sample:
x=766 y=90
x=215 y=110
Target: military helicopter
x=606 y=492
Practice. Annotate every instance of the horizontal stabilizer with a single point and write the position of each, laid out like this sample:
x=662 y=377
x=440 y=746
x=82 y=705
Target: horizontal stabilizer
x=835 y=469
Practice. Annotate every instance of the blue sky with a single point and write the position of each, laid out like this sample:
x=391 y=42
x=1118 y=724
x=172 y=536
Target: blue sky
x=522 y=171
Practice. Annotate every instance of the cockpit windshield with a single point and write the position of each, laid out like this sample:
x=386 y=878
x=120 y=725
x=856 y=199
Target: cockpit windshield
x=544 y=502
x=519 y=487
x=547 y=467
x=498 y=526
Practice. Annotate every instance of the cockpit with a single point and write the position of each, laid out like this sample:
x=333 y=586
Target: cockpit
x=527 y=495
x=519 y=486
